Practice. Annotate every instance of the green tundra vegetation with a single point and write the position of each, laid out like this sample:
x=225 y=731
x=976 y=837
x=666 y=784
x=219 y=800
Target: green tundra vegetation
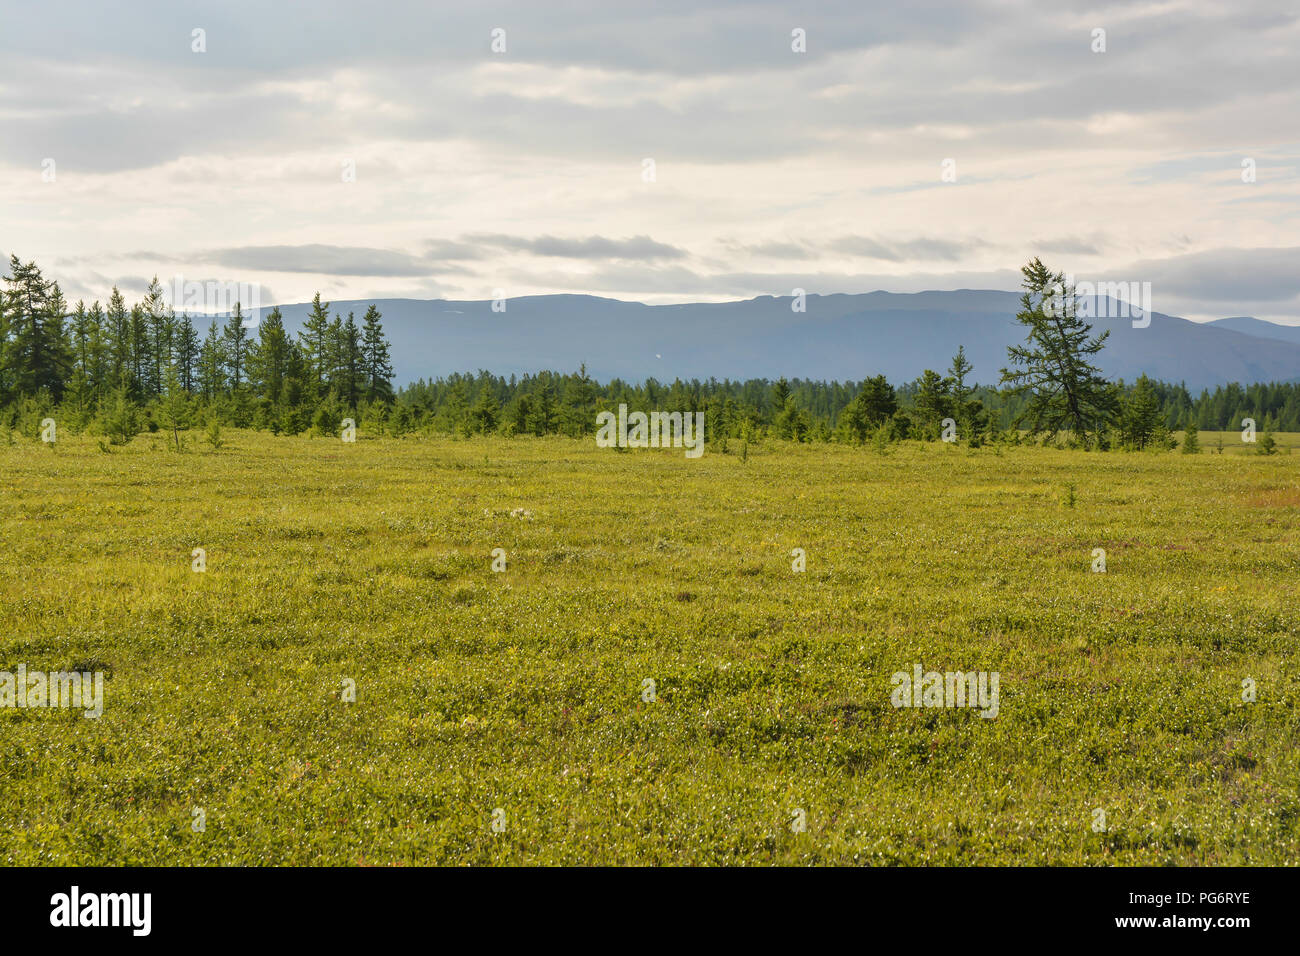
x=350 y=682
x=460 y=632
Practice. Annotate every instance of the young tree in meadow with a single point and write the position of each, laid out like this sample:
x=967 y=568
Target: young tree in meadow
x=1191 y=440
x=164 y=336
x=874 y=403
x=175 y=405
x=118 y=418
x=791 y=423
x=780 y=395
x=957 y=372
x=328 y=415
x=298 y=386
x=1053 y=369
x=403 y=419
x=933 y=401
x=969 y=412
x=1141 y=415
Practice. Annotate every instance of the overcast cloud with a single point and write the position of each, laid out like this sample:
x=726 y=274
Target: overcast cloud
x=528 y=170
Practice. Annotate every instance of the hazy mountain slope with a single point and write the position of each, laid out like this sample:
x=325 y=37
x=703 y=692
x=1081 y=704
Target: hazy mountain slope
x=838 y=337
x=1260 y=328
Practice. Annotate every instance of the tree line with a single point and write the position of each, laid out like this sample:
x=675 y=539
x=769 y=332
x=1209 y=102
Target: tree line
x=1050 y=390
x=124 y=368
x=121 y=369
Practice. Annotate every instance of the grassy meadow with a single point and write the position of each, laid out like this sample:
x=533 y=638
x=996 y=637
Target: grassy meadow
x=522 y=691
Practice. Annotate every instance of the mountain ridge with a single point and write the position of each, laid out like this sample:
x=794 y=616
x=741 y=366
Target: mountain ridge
x=842 y=336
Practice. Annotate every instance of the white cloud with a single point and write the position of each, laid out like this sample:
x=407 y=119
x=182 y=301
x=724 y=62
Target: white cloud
x=485 y=170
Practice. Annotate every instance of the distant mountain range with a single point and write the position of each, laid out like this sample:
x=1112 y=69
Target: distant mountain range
x=1260 y=328
x=838 y=337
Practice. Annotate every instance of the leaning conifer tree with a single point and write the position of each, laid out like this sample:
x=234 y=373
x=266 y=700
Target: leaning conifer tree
x=1065 y=392
x=175 y=406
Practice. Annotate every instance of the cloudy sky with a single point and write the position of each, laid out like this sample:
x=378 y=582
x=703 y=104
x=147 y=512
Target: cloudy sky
x=670 y=151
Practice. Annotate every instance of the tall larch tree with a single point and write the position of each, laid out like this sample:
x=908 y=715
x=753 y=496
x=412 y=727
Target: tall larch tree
x=313 y=338
x=236 y=345
x=268 y=358
x=1053 y=370
x=375 y=358
x=187 y=352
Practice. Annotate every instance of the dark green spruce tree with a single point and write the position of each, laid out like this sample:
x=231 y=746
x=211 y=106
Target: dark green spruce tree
x=375 y=358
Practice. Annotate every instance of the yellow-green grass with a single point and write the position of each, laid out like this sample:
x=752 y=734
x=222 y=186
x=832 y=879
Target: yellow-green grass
x=523 y=690
x=1232 y=443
